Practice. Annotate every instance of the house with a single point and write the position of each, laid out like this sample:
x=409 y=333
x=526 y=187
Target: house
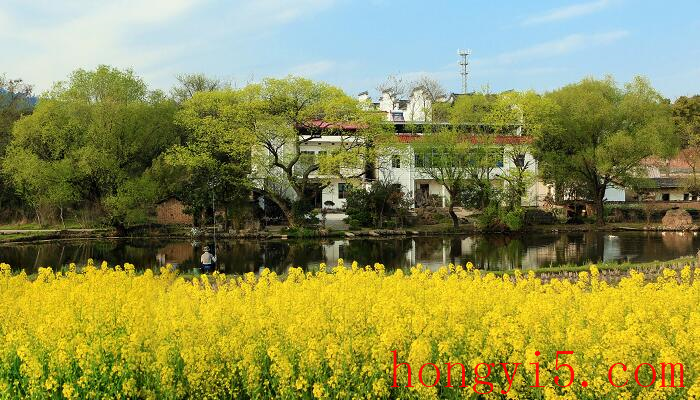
x=409 y=117
x=669 y=180
x=417 y=108
x=171 y=211
x=402 y=168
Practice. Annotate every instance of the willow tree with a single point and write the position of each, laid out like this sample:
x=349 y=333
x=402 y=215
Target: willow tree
x=443 y=156
x=86 y=138
x=460 y=162
x=603 y=133
x=214 y=158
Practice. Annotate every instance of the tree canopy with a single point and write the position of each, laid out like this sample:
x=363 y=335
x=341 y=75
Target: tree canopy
x=602 y=133
x=88 y=136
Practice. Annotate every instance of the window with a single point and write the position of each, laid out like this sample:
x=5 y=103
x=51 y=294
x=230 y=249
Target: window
x=395 y=161
x=419 y=161
x=343 y=189
x=520 y=160
x=666 y=197
x=686 y=196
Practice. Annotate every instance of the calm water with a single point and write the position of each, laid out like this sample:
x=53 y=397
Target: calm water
x=490 y=252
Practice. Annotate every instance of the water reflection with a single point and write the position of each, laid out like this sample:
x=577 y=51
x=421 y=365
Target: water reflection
x=490 y=252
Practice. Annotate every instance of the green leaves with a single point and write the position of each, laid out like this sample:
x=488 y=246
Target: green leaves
x=89 y=136
x=601 y=133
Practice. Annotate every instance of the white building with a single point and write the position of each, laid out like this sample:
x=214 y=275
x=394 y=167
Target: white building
x=414 y=109
x=400 y=167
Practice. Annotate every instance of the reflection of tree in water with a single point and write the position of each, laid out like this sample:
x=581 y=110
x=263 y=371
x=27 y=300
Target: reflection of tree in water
x=390 y=252
x=679 y=242
x=487 y=251
x=494 y=252
x=302 y=253
x=429 y=248
x=243 y=256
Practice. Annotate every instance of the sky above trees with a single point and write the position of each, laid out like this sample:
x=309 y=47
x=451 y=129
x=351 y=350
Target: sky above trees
x=355 y=45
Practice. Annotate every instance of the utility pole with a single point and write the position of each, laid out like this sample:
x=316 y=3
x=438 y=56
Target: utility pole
x=464 y=64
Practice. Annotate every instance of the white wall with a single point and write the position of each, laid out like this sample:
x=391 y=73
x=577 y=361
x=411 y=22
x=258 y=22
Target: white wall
x=616 y=194
x=330 y=193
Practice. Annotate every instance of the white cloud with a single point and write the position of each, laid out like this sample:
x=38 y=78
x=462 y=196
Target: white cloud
x=553 y=48
x=564 y=13
x=48 y=41
x=313 y=69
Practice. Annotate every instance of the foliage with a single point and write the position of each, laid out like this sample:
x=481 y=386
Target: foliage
x=686 y=117
x=603 y=133
x=89 y=136
x=471 y=111
x=383 y=202
x=514 y=219
x=214 y=157
x=115 y=333
x=16 y=101
x=518 y=176
x=135 y=200
x=281 y=115
x=448 y=157
x=190 y=84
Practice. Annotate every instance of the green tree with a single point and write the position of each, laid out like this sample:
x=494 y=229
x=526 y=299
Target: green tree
x=603 y=134
x=281 y=116
x=525 y=114
x=44 y=185
x=104 y=125
x=16 y=101
x=686 y=116
x=470 y=112
x=443 y=156
x=215 y=157
x=372 y=207
x=189 y=84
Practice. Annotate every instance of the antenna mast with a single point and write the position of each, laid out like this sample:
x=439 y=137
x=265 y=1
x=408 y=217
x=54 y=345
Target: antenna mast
x=464 y=64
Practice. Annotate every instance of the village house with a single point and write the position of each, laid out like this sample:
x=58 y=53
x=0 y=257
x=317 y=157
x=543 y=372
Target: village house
x=408 y=115
x=673 y=180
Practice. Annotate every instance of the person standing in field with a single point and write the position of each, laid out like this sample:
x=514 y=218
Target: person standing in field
x=207 y=259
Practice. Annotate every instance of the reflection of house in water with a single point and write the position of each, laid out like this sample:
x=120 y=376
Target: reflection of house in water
x=333 y=251
x=680 y=242
x=612 y=248
x=174 y=253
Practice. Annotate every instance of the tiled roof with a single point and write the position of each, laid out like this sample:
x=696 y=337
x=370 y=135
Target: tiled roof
x=663 y=183
x=499 y=139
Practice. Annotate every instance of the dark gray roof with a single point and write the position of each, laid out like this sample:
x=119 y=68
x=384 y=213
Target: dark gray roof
x=666 y=183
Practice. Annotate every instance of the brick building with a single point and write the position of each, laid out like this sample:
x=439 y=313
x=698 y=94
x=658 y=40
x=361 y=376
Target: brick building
x=171 y=211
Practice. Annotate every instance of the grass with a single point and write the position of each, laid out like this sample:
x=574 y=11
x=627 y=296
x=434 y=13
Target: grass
x=35 y=226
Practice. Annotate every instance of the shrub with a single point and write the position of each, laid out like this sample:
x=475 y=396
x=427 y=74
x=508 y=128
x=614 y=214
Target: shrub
x=383 y=203
x=514 y=219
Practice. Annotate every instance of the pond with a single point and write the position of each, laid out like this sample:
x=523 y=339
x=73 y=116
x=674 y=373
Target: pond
x=488 y=252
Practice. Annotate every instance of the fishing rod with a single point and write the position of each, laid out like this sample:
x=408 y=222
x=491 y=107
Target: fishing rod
x=213 y=211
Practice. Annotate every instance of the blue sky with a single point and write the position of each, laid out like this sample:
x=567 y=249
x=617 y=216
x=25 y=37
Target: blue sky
x=536 y=45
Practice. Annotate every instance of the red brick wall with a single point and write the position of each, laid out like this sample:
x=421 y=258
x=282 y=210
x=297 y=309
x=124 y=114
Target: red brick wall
x=172 y=212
